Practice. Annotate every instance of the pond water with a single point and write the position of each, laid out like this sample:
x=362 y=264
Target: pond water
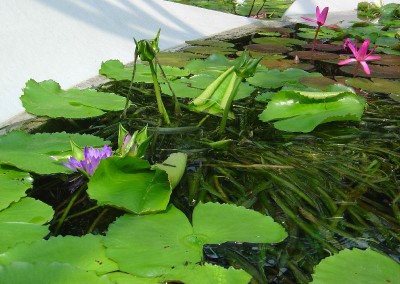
x=332 y=188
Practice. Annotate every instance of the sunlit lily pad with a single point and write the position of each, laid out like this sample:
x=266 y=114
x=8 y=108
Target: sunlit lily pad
x=377 y=71
x=275 y=79
x=14 y=183
x=281 y=41
x=303 y=111
x=64 y=250
x=206 y=50
x=129 y=184
x=282 y=31
x=27 y=210
x=60 y=273
x=375 y=85
x=215 y=65
x=208 y=273
x=48 y=99
x=358 y=267
x=325 y=33
x=126 y=278
x=266 y=48
x=208 y=42
x=33 y=153
x=313 y=55
x=143 y=249
x=177 y=59
x=114 y=69
x=13 y=233
x=174 y=166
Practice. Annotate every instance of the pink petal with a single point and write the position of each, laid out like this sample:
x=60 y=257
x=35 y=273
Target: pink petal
x=373 y=57
x=322 y=17
x=309 y=19
x=317 y=13
x=353 y=49
x=347 y=61
x=365 y=67
x=362 y=52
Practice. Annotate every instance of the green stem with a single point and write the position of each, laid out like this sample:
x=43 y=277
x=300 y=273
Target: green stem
x=208 y=92
x=97 y=220
x=68 y=208
x=160 y=105
x=233 y=86
x=315 y=38
x=128 y=95
x=82 y=212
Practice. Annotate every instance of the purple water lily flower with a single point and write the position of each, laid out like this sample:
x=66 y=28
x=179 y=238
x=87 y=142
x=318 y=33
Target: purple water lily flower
x=92 y=158
x=361 y=56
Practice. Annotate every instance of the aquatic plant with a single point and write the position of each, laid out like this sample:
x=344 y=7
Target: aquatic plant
x=361 y=56
x=134 y=145
x=320 y=21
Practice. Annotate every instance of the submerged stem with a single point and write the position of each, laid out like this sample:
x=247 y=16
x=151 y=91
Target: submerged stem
x=160 y=104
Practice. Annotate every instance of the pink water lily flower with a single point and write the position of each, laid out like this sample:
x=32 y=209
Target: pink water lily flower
x=361 y=56
x=321 y=16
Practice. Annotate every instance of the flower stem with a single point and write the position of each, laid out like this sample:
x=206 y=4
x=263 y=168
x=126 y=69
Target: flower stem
x=128 y=95
x=160 y=104
x=315 y=38
x=68 y=208
x=356 y=69
x=233 y=87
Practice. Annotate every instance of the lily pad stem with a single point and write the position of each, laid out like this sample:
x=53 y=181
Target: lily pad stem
x=233 y=87
x=356 y=69
x=315 y=38
x=160 y=104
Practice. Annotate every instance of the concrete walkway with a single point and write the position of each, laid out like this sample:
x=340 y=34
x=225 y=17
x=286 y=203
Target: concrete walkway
x=66 y=40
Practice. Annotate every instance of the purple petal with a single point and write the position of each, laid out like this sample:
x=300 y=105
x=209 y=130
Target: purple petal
x=309 y=19
x=365 y=67
x=347 y=61
x=68 y=166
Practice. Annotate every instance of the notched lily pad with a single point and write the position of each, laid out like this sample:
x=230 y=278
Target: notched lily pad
x=387 y=59
x=313 y=55
x=48 y=99
x=281 y=41
x=266 y=48
x=324 y=47
x=284 y=64
x=317 y=82
x=282 y=31
x=177 y=59
x=375 y=85
x=215 y=43
x=14 y=183
x=209 y=50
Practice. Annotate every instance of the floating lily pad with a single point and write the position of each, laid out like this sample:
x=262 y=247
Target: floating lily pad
x=60 y=273
x=387 y=59
x=143 y=249
x=317 y=82
x=208 y=273
x=129 y=184
x=206 y=50
x=281 y=31
x=48 y=99
x=33 y=153
x=13 y=233
x=14 y=183
x=177 y=59
x=395 y=97
x=313 y=55
x=266 y=48
x=377 y=71
x=215 y=65
x=375 y=85
x=284 y=64
x=324 y=47
x=324 y=32
x=27 y=210
x=281 y=41
x=125 y=278
x=268 y=56
x=303 y=111
x=64 y=250
x=174 y=166
x=182 y=88
x=215 y=43
x=357 y=266
x=114 y=69
x=275 y=79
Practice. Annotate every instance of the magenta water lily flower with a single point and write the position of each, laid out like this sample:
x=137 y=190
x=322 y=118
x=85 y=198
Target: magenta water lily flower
x=361 y=56
x=92 y=158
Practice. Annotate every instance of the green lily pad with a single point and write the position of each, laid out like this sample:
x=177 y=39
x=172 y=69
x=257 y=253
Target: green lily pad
x=387 y=59
x=375 y=85
x=256 y=54
x=317 y=82
x=174 y=166
x=33 y=153
x=275 y=79
x=214 y=65
x=177 y=59
x=14 y=183
x=60 y=273
x=129 y=183
x=324 y=47
x=215 y=43
x=377 y=71
x=64 y=250
x=282 y=31
x=114 y=69
x=357 y=267
x=207 y=50
x=324 y=32
x=125 y=278
x=285 y=64
x=182 y=88
x=208 y=273
x=27 y=210
x=302 y=111
x=13 y=233
x=142 y=248
x=48 y=99
x=313 y=55
x=266 y=48
x=281 y=41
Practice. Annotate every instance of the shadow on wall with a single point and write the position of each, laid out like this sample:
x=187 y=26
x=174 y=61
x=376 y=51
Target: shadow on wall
x=121 y=18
